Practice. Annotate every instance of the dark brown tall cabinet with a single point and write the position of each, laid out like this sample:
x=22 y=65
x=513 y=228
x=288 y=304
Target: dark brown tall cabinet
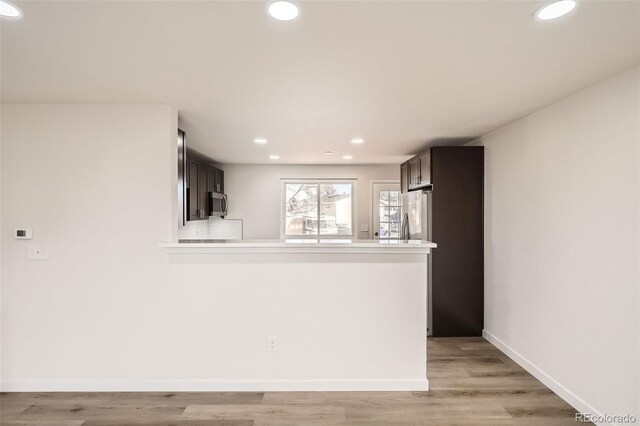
x=455 y=186
x=457 y=265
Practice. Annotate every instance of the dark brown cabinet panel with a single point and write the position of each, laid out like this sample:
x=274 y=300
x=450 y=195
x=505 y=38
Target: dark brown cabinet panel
x=404 y=180
x=203 y=204
x=457 y=264
x=219 y=181
x=215 y=184
x=202 y=180
x=416 y=172
x=211 y=186
x=425 y=168
x=193 y=178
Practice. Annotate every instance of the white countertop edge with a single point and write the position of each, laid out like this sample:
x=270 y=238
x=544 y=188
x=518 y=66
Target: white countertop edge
x=267 y=246
x=293 y=250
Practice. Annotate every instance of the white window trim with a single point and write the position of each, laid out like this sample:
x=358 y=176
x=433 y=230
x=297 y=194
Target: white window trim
x=354 y=207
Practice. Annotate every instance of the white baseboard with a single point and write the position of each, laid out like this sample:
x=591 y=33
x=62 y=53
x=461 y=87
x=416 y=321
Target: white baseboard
x=212 y=385
x=572 y=399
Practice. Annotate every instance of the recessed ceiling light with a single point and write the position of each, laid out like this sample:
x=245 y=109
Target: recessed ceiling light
x=283 y=10
x=357 y=141
x=554 y=10
x=274 y=157
x=328 y=153
x=347 y=157
x=8 y=10
x=260 y=141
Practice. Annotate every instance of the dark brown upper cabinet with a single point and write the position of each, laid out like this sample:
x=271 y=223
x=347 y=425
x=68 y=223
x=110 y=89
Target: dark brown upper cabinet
x=416 y=172
x=211 y=180
x=404 y=181
x=203 y=179
x=218 y=181
x=192 y=192
x=215 y=180
x=203 y=194
x=425 y=168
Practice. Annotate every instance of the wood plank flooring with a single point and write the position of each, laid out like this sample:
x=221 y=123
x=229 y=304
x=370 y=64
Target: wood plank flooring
x=472 y=383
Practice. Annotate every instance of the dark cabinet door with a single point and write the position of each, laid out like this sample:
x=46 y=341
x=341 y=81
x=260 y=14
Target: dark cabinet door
x=219 y=181
x=425 y=168
x=202 y=180
x=414 y=172
x=457 y=264
x=404 y=184
x=193 y=178
x=211 y=187
x=203 y=211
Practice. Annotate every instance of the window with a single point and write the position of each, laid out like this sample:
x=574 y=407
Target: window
x=318 y=209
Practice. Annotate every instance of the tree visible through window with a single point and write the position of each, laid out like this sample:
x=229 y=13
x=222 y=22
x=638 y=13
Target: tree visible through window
x=318 y=208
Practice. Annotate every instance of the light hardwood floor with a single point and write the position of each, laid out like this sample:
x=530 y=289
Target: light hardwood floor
x=472 y=383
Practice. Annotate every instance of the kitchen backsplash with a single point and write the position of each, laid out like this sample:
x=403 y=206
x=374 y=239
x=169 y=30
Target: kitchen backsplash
x=212 y=229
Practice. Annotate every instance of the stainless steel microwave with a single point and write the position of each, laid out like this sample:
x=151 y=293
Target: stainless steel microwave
x=218 y=204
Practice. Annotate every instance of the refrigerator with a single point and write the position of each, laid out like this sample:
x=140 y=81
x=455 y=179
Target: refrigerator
x=450 y=213
x=416 y=225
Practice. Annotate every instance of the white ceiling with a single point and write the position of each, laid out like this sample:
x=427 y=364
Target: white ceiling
x=399 y=74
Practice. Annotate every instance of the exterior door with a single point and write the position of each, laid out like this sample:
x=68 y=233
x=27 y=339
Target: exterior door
x=387 y=215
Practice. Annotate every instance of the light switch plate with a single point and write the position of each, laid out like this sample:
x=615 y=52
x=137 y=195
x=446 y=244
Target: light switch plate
x=364 y=227
x=38 y=252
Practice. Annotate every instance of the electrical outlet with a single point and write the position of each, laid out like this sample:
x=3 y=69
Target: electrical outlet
x=364 y=227
x=272 y=344
x=38 y=252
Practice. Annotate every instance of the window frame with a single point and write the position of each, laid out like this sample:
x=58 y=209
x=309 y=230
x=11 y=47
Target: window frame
x=318 y=181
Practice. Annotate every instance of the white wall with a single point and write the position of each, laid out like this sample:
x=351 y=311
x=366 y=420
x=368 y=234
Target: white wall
x=562 y=244
x=94 y=183
x=255 y=192
x=111 y=310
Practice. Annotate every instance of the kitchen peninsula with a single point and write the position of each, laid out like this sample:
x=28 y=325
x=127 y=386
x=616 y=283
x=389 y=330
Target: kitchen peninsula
x=313 y=314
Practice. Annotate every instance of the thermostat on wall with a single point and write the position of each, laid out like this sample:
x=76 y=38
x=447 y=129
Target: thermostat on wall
x=23 y=233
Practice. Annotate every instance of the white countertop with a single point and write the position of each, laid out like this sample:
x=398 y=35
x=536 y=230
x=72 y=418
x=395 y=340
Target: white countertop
x=301 y=245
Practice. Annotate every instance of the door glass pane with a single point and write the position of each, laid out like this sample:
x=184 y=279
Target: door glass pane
x=394 y=214
x=384 y=198
x=394 y=230
x=301 y=209
x=335 y=209
x=384 y=214
x=394 y=198
x=384 y=230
